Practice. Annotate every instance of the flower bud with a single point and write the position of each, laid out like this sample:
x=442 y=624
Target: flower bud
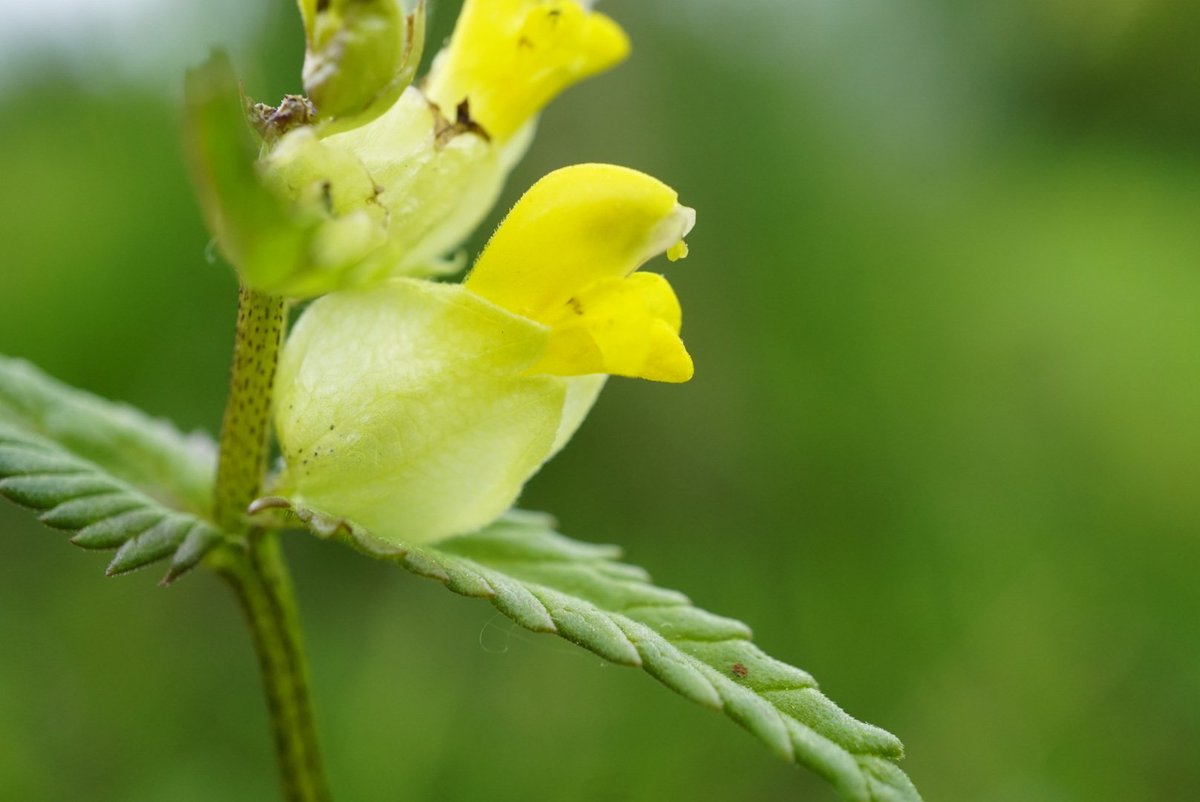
x=359 y=57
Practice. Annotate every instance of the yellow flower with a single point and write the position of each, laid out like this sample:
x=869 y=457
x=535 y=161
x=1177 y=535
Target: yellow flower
x=377 y=188
x=508 y=58
x=419 y=410
x=564 y=258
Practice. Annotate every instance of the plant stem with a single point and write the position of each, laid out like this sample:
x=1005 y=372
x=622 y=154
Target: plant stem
x=259 y=578
x=255 y=569
x=246 y=427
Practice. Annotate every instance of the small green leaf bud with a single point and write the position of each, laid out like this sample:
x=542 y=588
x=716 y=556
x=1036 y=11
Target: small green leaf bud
x=360 y=56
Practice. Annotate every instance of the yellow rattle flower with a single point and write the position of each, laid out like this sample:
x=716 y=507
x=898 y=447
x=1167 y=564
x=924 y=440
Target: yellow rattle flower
x=565 y=257
x=387 y=179
x=419 y=410
x=438 y=158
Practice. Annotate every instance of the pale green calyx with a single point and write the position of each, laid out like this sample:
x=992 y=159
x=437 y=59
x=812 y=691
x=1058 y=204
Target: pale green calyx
x=435 y=179
x=409 y=409
x=313 y=215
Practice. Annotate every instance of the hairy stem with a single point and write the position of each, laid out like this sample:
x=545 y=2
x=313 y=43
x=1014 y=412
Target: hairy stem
x=255 y=570
x=246 y=427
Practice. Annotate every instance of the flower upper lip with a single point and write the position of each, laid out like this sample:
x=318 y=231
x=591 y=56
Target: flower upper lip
x=566 y=256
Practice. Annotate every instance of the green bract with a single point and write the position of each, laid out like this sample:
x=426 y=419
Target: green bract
x=258 y=231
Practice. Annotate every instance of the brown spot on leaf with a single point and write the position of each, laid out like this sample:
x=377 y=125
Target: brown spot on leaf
x=739 y=670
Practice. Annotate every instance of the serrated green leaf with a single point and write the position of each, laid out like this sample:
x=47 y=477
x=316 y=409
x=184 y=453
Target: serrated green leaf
x=43 y=490
x=548 y=583
x=199 y=542
x=27 y=459
x=141 y=451
x=106 y=472
x=104 y=512
x=74 y=514
x=110 y=533
x=156 y=543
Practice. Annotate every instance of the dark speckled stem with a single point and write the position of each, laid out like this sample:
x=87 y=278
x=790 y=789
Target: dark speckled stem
x=245 y=430
x=254 y=568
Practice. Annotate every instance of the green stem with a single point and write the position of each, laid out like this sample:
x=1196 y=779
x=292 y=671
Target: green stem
x=255 y=569
x=246 y=427
x=259 y=578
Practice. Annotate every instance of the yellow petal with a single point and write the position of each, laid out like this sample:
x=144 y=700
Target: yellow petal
x=572 y=228
x=565 y=257
x=509 y=58
x=623 y=326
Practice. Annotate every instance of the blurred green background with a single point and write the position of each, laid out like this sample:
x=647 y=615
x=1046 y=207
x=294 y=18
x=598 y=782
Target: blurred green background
x=942 y=448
